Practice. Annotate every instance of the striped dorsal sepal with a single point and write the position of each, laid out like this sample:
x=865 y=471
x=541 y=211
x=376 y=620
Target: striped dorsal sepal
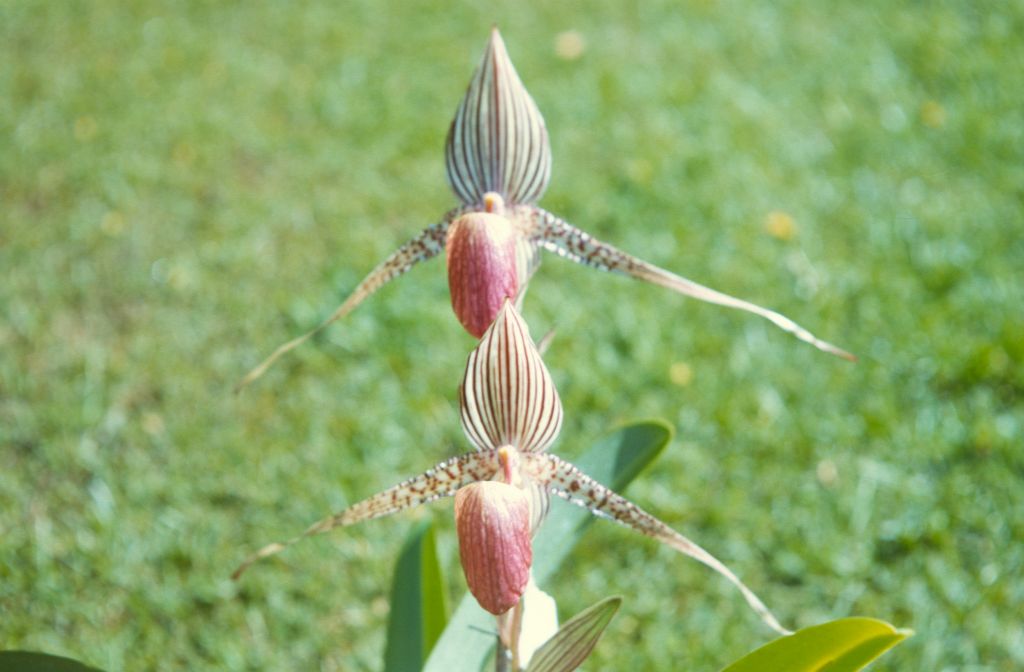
x=497 y=141
x=507 y=397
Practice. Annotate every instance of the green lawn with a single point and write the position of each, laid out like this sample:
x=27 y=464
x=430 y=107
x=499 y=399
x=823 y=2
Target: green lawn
x=185 y=185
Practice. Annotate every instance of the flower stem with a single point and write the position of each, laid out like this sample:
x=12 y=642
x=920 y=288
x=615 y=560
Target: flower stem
x=510 y=625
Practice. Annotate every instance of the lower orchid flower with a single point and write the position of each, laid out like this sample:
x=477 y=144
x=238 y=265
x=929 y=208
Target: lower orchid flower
x=498 y=162
x=511 y=412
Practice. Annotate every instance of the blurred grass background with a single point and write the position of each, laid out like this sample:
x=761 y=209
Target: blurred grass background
x=184 y=185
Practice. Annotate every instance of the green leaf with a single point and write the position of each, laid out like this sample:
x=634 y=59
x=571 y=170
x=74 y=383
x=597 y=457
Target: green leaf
x=615 y=460
x=845 y=645
x=575 y=639
x=28 y=661
x=418 y=612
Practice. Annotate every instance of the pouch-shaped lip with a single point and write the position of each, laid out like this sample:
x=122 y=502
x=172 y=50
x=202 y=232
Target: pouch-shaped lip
x=482 y=268
x=492 y=520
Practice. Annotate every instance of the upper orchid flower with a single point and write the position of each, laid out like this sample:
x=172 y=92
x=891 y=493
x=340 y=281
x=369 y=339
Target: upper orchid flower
x=498 y=162
x=511 y=413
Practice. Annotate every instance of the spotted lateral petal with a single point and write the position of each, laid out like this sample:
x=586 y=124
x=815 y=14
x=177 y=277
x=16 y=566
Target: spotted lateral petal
x=429 y=243
x=568 y=482
x=565 y=240
x=441 y=481
x=497 y=141
x=507 y=397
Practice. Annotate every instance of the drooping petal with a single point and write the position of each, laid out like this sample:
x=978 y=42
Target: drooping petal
x=567 y=481
x=507 y=396
x=441 y=481
x=497 y=141
x=426 y=245
x=492 y=520
x=565 y=240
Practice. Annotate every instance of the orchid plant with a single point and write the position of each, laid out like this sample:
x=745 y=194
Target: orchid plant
x=498 y=163
x=511 y=413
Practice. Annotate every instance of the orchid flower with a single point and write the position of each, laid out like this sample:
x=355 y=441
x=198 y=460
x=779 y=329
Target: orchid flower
x=498 y=163
x=511 y=413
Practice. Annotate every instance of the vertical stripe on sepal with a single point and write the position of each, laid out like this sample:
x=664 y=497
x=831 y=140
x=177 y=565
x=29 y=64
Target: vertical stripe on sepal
x=497 y=141
x=507 y=396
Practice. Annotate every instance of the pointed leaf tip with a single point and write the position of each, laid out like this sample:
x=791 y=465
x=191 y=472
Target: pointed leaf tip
x=576 y=639
x=844 y=645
